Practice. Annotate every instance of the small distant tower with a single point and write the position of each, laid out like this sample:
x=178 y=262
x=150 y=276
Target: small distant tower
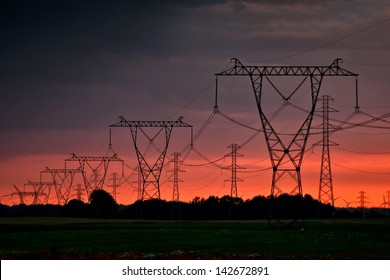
x=233 y=179
x=176 y=180
x=114 y=185
x=233 y=167
x=79 y=191
x=363 y=202
x=175 y=211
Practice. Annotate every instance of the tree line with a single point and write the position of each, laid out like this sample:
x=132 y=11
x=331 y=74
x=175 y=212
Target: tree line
x=102 y=205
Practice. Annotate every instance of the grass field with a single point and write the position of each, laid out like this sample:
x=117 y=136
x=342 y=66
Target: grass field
x=67 y=238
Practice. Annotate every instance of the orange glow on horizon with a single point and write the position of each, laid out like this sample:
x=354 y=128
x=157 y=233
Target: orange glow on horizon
x=350 y=176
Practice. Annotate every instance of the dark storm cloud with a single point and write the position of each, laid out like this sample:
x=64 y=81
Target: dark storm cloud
x=76 y=64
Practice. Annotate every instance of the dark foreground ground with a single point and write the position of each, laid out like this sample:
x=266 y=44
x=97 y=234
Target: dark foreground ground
x=69 y=238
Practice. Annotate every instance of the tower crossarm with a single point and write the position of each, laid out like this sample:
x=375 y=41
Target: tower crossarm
x=94 y=158
x=125 y=123
x=61 y=170
x=31 y=183
x=333 y=69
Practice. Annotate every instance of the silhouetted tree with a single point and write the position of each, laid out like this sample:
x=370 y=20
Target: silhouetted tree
x=102 y=205
x=74 y=208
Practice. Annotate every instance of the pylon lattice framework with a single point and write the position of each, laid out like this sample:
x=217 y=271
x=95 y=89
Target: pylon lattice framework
x=325 y=194
x=286 y=158
x=233 y=168
x=102 y=162
x=362 y=199
x=39 y=189
x=23 y=194
x=62 y=181
x=150 y=171
x=176 y=170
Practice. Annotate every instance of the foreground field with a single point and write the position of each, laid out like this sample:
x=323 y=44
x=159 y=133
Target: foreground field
x=62 y=238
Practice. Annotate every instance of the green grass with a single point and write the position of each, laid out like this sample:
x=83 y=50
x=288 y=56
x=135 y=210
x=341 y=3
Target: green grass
x=58 y=238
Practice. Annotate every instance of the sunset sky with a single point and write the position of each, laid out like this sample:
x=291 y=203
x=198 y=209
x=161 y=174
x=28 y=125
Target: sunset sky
x=70 y=68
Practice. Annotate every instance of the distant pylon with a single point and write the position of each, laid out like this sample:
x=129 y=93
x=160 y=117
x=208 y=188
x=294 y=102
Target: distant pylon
x=362 y=199
x=114 y=185
x=150 y=169
x=79 y=192
x=233 y=167
x=62 y=181
x=101 y=163
x=325 y=194
x=40 y=189
x=176 y=180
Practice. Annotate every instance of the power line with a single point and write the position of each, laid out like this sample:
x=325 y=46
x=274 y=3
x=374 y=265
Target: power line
x=327 y=43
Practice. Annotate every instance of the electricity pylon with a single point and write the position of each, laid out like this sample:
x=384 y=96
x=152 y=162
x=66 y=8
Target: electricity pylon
x=150 y=170
x=363 y=202
x=40 y=189
x=233 y=179
x=94 y=163
x=62 y=181
x=176 y=170
x=175 y=210
x=79 y=192
x=23 y=194
x=114 y=185
x=325 y=194
x=362 y=199
x=286 y=155
x=233 y=168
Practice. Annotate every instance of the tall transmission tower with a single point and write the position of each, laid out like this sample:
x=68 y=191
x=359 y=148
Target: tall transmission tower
x=233 y=168
x=150 y=169
x=325 y=194
x=93 y=164
x=62 y=181
x=286 y=155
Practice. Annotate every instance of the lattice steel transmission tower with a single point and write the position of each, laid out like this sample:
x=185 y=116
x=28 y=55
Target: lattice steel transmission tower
x=363 y=202
x=114 y=185
x=150 y=169
x=175 y=210
x=176 y=180
x=233 y=168
x=39 y=189
x=286 y=155
x=62 y=181
x=362 y=199
x=94 y=163
x=325 y=194
x=23 y=194
x=79 y=192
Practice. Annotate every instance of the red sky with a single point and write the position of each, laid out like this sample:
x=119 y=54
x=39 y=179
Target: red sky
x=73 y=68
